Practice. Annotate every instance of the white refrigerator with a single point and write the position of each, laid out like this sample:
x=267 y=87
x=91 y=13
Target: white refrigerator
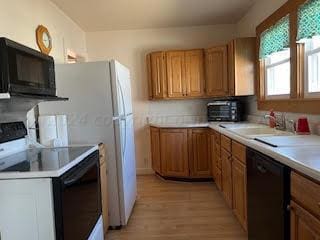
x=100 y=110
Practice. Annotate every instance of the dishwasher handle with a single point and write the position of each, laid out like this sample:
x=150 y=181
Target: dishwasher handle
x=261 y=168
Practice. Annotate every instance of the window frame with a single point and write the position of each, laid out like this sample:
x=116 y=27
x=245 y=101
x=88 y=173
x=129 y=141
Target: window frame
x=298 y=100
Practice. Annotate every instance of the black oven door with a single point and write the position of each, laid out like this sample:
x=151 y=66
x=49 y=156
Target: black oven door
x=77 y=200
x=219 y=113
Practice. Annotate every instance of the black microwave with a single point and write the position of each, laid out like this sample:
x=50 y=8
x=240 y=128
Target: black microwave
x=224 y=111
x=25 y=71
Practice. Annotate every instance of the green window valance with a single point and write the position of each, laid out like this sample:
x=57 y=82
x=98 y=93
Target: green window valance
x=309 y=20
x=276 y=38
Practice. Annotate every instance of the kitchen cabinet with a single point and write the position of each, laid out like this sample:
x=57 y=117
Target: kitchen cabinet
x=239 y=191
x=155 y=149
x=176 y=74
x=304 y=226
x=215 y=157
x=181 y=152
x=195 y=82
x=239 y=183
x=104 y=187
x=219 y=71
x=241 y=66
x=156 y=67
x=305 y=208
x=199 y=162
x=216 y=60
x=226 y=172
x=174 y=152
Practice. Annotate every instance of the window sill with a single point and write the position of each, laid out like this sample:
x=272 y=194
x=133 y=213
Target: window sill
x=309 y=105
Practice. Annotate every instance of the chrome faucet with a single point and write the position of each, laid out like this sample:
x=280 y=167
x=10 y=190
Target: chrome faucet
x=280 y=121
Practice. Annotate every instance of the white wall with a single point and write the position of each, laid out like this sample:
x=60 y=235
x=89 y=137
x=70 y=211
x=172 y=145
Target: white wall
x=19 y=20
x=130 y=48
x=257 y=13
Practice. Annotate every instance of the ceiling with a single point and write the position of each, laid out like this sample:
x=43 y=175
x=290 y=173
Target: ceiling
x=102 y=15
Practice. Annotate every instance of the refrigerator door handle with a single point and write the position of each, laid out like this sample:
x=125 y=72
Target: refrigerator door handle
x=125 y=138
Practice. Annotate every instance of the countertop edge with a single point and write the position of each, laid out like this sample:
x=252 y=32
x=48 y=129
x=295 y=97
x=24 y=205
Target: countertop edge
x=48 y=174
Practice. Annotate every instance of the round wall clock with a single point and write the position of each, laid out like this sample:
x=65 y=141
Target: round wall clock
x=44 y=39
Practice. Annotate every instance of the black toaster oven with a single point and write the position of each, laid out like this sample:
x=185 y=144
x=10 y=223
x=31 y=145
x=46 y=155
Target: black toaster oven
x=224 y=111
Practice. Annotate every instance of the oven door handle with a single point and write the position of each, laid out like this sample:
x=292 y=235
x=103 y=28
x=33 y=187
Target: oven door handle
x=73 y=178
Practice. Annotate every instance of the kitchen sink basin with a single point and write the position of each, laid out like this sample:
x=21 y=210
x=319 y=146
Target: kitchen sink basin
x=252 y=133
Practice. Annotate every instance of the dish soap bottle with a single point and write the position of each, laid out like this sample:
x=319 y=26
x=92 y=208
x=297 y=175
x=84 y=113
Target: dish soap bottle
x=272 y=119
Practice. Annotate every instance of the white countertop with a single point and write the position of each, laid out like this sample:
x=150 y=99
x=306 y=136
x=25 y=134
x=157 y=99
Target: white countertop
x=54 y=164
x=304 y=158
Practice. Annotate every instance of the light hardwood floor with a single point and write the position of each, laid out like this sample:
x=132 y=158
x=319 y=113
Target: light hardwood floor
x=167 y=210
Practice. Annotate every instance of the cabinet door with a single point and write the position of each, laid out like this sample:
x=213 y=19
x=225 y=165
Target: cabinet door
x=216 y=71
x=155 y=149
x=176 y=74
x=174 y=152
x=104 y=196
x=157 y=75
x=199 y=162
x=304 y=226
x=195 y=73
x=226 y=172
x=239 y=193
x=104 y=187
x=212 y=153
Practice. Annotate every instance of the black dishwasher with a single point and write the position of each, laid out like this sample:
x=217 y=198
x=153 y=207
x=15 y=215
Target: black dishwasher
x=268 y=185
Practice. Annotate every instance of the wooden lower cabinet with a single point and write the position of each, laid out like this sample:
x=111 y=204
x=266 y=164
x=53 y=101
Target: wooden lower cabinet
x=155 y=149
x=199 y=161
x=174 y=152
x=226 y=172
x=304 y=226
x=239 y=191
x=181 y=152
x=104 y=187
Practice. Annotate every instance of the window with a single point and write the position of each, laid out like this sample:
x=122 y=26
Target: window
x=277 y=74
x=275 y=54
x=312 y=67
x=309 y=33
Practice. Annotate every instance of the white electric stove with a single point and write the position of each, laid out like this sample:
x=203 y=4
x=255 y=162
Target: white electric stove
x=48 y=193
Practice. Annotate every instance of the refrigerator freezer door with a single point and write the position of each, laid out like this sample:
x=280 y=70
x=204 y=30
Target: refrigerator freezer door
x=126 y=166
x=121 y=89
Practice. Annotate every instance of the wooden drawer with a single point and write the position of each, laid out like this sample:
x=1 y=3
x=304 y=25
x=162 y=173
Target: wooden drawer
x=306 y=193
x=226 y=143
x=218 y=179
x=239 y=151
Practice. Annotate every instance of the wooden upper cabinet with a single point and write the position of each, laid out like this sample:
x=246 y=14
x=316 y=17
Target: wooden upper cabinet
x=156 y=66
x=174 y=152
x=199 y=161
x=195 y=82
x=241 y=66
x=216 y=71
x=176 y=76
x=155 y=149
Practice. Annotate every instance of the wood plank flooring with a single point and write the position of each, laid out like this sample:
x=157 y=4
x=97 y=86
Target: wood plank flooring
x=167 y=210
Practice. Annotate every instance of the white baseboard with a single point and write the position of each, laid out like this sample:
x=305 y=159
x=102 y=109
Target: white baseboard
x=145 y=171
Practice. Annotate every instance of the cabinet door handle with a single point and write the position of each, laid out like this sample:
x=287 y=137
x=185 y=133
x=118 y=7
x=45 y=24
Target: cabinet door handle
x=289 y=207
x=319 y=204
